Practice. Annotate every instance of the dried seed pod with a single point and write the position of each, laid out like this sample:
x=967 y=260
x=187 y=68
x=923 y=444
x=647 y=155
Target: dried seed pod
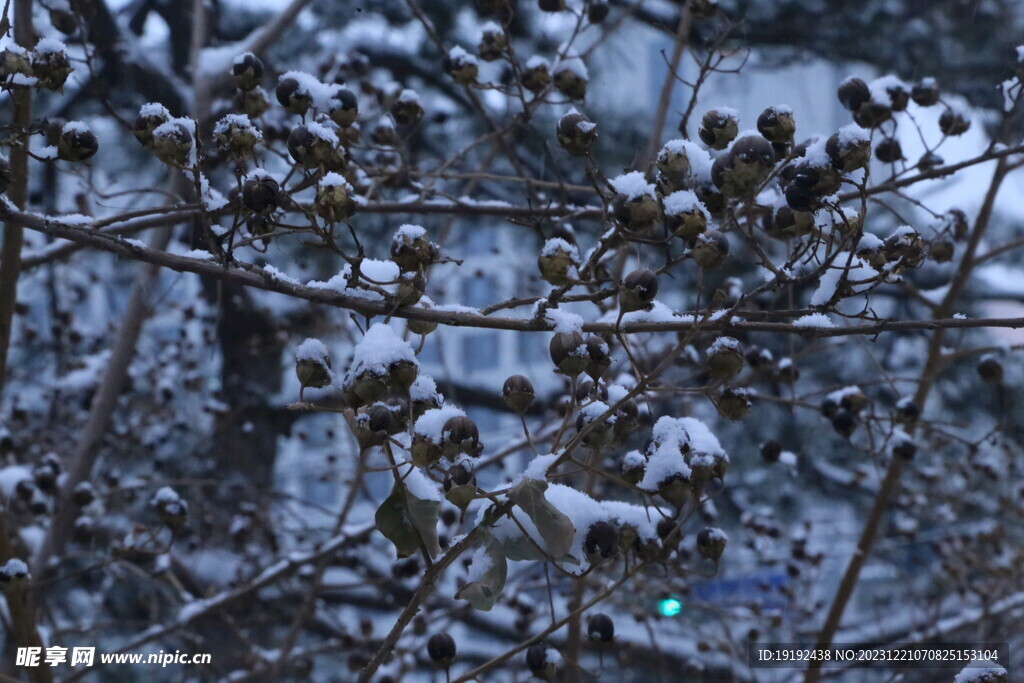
x=411 y=249
x=733 y=404
x=558 y=262
x=334 y=199
x=844 y=423
x=853 y=93
x=601 y=541
x=685 y=215
x=77 y=142
x=601 y=628
x=597 y=11
x=260 y=193
x=460 y=485
x=777 y=125
x=953 y=122
x=770 y=451
x=172 y=143
x=719 y=127
x=785 y=223
x=551 y=5
x=711 y=543
x=925 y=92
x=710 y=249
x=310 y=144
x=571 y=78
x=406 y=110
x=576 y=133
x=83 y=494
x=493 y=43
x=50 y=64
x=292 y=95
x=538 y=661
x=461 y=66
x=598 y=358
x=460 y=435
x=170 y=508
x=906 y=245
x=929 y=161
x=253 y=103
x=237 y=135
x=441 y=650
x=636 y=202
x=742 y=170
x=518 y=394
x=849 y=150
x=903 y=447
x=569 y=353
x=151 y=116
x=889 y=151
x=638 y=290
x=344 y=107
x=990 y=370
x=907 y=412
x=941 y=249
x=631 y=470
x=247 y=70
x=313 y=365
x=536 y=74
x=724 y=358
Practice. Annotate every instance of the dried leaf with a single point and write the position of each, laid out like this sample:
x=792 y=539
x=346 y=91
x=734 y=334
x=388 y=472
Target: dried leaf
x=490 y=569
x=424 y=514
x=553 y=525
x=394 y=523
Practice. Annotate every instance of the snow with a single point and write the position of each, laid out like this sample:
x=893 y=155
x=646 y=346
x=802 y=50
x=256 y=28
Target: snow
x=880 y=86
x=852 y=134
x=154 y=110
x=669 y=439
x=538 y=467
x=431 y=423
x=859 y=272
x=321 y=94
x=323 y=132
x=816 y=155
x=978 y=669
x=49 y=46
x=564 y=321
x=574 y=65
x=788 y=458
x=815 y=320
x=723 y=344
x=700 y=160
x=554 y=244
x=537 y=61
x=75 y=127
x=419 y=485
x=410 y=232
x=280 y=275
x=313 y=350
x=582 y=510
x=424 y=389
x=166 y=496
x=458 y=54
x=10 y=476
x=238 y=121
x=633 y=185
x=379 y=348
x=333 y=179
x=684 y=201
x=14 y=567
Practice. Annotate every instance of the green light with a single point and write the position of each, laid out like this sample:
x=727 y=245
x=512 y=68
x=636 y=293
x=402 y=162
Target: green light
x=670 y=607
